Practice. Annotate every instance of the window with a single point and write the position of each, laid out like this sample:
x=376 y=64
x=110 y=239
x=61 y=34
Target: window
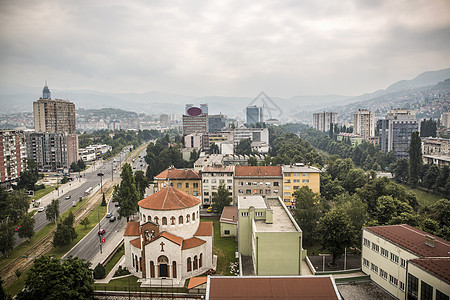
x=240 y=191
x=187 y=184
x=195 y=193
x=276 y=183
x=172 y=221
x=226 y=232
x=244 y=214
x=287 y=194
x=193 y=217
x=213 y=180
x=214 y=187
x=275 y=191
x=383 y=274
x=296 y=174
x=365 y=262
x=189 y=264
x=394 y=258
x=195 y=263
x=296 y=187
x=440 y=295
x=287 y=174
x=384 y=252
x=229 y=180
x=180 y=220
x=267 y=192
x=200 y=261
x=287 y=181
x=287 y=187
x=413 y=287
x=255 y=183
x=267 y=183
x=258 y=214
x=426 y=291
x=206 y=193
x=296 y=180
x=156 y=220
x=305 y=174
x=164 y=221
x=196 y=185
x=143 y=218
x=240 y=183
x=305 y=180
x=374 y=268
x=221 y=181
x=366 y=242
x=179 y=185
x=402 y=286
x=187 y=218
x=248 y=192
x=205 y=180
x=375 y=247
x=403 y=263
x=393 y=280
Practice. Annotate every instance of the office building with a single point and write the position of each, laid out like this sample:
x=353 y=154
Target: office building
x=254 y=114
x=407 y=262
x=13 y=154
x=258 y=136
x=216 y=123
x=195 y=119
x=297 y=176
x=396 y=130
x=322 y=121
x=364 y=123
x=53 y=115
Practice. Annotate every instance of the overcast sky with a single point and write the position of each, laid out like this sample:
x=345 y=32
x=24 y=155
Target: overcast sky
x=223 y=48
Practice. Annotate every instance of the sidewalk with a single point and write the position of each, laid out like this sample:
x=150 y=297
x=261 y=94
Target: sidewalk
x=109 y=247
x=109 y=276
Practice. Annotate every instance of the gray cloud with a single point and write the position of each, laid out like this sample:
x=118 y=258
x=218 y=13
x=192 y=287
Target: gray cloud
x=230 y=47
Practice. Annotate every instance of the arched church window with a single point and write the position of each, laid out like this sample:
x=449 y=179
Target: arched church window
x=174 y=269
x=189 y=264
x=149 y=218
x=195 y=262
x=164 y=221
x=193 y=216
x=180 y=220
x=143 y=218
x=156 y=220
x=200 y=260
x=187 y=218
x=172 y=221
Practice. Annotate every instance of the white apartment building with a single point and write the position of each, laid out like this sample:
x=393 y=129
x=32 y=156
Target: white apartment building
x=364 y=123
x=258 y=136
x=322 y=120
x=212 y=178
x=389 y=253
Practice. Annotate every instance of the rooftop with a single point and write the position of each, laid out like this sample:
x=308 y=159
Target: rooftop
x=281 y=220
x=229 y=215
x=439 y=266
x=217 y=168
x=271 y=287
x=205 y=229
x=176 y=239
x=132 y=229
x=167 y=199
x=244 y=202
x=412 y=239
x=260 y=171
x=300 y=168
x=172 y=173
x=192 y=243
x=196 y=281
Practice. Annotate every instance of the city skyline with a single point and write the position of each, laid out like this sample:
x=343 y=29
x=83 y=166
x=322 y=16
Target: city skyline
x=227 y=49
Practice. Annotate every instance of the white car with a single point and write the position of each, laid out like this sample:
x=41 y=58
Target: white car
x=41 y=209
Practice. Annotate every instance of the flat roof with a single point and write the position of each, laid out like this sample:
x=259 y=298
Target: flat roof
x=244 y=202
x=281 y=220
x=300 y=169
x=271 y=287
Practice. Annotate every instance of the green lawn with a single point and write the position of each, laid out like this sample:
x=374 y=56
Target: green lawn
x=424 y=198
x=224 y=248
x=41 y=193
x=117 y=256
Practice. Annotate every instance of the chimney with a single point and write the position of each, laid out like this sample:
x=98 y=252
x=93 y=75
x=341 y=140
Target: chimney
x=429 y=240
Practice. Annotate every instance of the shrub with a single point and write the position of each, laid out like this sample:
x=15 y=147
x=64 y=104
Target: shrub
x=121 y=271
x=99 y=271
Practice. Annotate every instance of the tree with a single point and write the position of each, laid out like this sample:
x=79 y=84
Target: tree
x=65 y=232
x=85 y=222
x=335 y=232
x=51 y=278
x=356 y=210
x=99 y=271
x=244 y=147
x=431 y=176
x=142 y=182
x=81 y=164
x=52 y=211
x=103 y=200
x=415 y=158
x=355 y=179
x=26 y=227
x=400 y=170
x=126 y=193
x=214 y=149
x=74 y=167
x=252 y=161
x=388 y=208
x=221 y=198
x=6 y=237
x=306 y=211
x=3 y=294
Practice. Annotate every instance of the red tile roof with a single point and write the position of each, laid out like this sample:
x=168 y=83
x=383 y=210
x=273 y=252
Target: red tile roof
x=176 y=239
x=229 y=214
x=196 y=281
x=262 y=171
x=169 y=198
x=172 y=173
x=249 y=287
x=136 y=243
x=132 y=229
x=205 y=229
x=439 y=266
x=412 y=239
x=192 y=243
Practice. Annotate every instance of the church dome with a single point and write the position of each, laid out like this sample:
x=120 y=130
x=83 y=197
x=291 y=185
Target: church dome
x=169 y=198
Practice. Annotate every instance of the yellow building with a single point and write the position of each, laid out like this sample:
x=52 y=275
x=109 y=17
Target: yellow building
x=297 y=176
x=185 y=180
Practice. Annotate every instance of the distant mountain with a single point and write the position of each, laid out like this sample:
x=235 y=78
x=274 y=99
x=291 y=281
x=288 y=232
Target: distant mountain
x=424 y=79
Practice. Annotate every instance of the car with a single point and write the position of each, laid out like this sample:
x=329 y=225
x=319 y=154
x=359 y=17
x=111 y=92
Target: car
x=116 y=204
x=112 y=219
x=68 y=197
x=101 y=231
x=109 y=215
x=209 y=209
x=41 y=209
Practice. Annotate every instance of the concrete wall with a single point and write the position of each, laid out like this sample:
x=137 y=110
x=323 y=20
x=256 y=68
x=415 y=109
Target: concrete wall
x=436 y=283
x=227 y=226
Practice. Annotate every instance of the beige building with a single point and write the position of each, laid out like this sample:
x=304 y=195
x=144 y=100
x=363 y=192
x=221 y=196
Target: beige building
x=268 y=233
x=208 y=160
x=13 y=154
x=212 y=178
x=323 y=120
x=185 y=180
x=297 y=176
x=53 y=115
x=391 y=255
x=445 y=120
x=364 y=123
x=228 y=221
x=435 y=146
x=257 y=180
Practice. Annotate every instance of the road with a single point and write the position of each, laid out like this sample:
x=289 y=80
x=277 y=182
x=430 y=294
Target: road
x=110 y=169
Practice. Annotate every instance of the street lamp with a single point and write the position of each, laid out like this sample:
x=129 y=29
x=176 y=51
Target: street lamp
x=101 y=180
x=99 y=235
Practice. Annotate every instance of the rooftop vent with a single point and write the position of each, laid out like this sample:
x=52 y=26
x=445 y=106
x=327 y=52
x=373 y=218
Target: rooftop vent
x=429 y=241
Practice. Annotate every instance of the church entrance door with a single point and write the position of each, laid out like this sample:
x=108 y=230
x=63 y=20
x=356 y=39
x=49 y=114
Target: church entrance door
x=163 y=270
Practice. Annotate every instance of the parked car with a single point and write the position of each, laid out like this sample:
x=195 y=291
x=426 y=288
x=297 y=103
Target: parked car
x=112 y=219
x=109 y=215
x=68 y=197
x=41 y=209
x=101 y=231
x=209 y=209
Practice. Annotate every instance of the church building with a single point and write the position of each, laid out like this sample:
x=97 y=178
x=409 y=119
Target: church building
x=168 y=241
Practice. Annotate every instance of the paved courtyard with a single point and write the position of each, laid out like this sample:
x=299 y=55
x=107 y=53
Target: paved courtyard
x=362 y=290
x=353 y=262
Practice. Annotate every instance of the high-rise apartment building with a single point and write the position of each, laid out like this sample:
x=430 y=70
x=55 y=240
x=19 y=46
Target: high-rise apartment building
x=445 y=119
x=396 y=130
x=364 y=123
x=195 y=119
x=164 y=120
x=322 y=121
x=216 y=123
x=13 y=155
x=254 y=114
x=53 y=115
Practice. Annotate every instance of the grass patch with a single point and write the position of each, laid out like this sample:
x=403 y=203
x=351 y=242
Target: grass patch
x=41 y=193
x=117 y=256
x=131 y=283
x=224 y=248
x=424 y=198
x=18 y=284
